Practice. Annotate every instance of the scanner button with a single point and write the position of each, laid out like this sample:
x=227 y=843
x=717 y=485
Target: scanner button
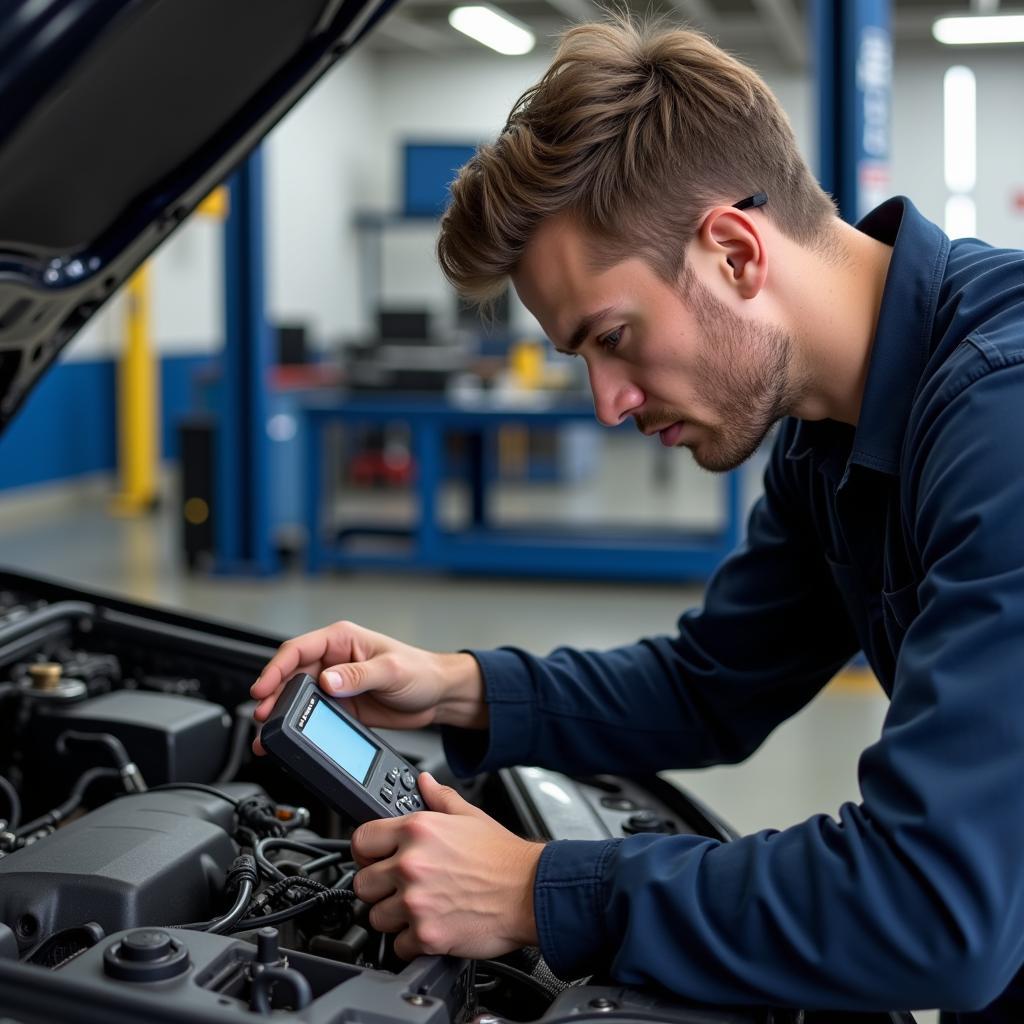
x=415 y=802
x=407 y=780
x=387 y=794
x=392 y=777
x=402 y=804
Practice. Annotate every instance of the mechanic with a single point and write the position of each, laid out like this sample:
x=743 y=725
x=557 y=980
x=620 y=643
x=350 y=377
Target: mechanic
x=650 y=206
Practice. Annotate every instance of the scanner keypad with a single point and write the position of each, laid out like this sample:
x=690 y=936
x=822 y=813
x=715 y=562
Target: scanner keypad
x=408 y=801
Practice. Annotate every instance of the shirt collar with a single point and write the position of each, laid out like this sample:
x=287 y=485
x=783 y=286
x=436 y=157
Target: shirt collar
x=902 y=337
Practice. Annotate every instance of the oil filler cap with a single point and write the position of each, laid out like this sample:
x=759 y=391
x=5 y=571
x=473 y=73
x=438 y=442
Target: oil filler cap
x=147 y=954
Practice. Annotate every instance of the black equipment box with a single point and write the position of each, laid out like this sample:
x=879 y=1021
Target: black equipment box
x=171 y=738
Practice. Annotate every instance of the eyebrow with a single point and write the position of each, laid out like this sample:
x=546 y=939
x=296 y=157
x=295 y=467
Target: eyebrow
x=586 y=325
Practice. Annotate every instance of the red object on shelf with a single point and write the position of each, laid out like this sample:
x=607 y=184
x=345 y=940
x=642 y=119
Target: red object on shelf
x=306 y=375
x=372 y=467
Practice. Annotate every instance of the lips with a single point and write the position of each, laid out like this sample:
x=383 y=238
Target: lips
x=670 y=435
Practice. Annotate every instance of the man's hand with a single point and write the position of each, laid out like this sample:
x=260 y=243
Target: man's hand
x=448 y=880
x=386 y=683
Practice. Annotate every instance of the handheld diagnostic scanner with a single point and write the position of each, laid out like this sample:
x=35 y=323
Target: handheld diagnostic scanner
x=314 y=738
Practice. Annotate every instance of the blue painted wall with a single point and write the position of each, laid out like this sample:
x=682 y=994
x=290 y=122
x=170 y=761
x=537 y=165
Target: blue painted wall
x=68 y=426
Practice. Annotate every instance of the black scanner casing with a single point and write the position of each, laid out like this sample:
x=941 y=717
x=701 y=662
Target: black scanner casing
x=304 y=761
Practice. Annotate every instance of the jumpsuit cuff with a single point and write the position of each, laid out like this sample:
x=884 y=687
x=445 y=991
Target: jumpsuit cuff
x=510 y=737
x=570 y=905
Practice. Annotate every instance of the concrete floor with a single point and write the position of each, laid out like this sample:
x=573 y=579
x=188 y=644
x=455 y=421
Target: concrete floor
x=807 y=766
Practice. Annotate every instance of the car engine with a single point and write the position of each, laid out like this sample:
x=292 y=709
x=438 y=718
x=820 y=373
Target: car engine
x=151 y=868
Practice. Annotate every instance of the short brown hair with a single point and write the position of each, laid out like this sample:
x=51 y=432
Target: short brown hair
x=635 y=131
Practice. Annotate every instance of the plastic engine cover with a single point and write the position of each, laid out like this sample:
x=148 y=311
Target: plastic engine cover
x=146 y=859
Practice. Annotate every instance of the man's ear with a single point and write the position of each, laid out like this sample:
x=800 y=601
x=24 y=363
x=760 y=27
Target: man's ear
x=730 y=239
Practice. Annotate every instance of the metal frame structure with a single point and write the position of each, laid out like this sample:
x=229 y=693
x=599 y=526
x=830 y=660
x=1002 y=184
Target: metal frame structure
x=853 y=77
x=242 y=522
x=560 y=550
x=852 y=71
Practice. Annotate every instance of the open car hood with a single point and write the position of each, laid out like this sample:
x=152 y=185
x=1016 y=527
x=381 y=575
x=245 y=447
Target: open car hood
x=117 y=117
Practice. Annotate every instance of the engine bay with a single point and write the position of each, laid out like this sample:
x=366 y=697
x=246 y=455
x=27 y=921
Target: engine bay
x=151 y=867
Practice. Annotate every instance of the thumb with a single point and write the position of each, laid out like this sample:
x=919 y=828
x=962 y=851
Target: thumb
x=354 y=677
x=444 y=798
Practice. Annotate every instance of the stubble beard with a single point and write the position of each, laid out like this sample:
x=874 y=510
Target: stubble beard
x=744 y=372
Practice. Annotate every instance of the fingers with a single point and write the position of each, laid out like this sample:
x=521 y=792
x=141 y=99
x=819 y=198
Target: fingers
x=262 y=710
x=302 y=651
x=352 y=677
x=376 y=840
x=375 y=882
x=414 y=939
x=351 y=666
x=419 y=940
x=389 y=915
x=444 y=798
x=406 y=947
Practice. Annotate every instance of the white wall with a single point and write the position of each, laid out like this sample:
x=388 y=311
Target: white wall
x=445 y=99
x=315 y=176
x=467 y=99
x=340 y=152
x=320 y=168
x=917 y=139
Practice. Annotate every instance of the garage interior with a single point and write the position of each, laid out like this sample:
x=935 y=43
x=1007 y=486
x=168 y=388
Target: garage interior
x=364 y=350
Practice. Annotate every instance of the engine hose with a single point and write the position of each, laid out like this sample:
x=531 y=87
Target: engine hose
x=244 y=876
x=239 y=742
x=270 y=869
x=319 y=900
x=326 y=861
x=53 y=818
x=130 y=774
x=236 y=912
x=272 y=892
x=59 y=615
x=301 y=993
x=345 y=880
x=259 y=813
x=14 y=810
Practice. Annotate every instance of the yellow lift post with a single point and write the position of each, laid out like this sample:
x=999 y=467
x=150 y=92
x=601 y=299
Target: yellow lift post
x=138 y=390
x=138 y=404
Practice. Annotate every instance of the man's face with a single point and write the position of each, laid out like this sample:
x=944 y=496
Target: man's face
x=674 y=357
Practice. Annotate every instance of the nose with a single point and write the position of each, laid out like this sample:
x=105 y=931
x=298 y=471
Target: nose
x=614 y=396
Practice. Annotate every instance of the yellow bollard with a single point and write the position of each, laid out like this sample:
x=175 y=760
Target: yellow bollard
x=138 y=389
x=138 y=405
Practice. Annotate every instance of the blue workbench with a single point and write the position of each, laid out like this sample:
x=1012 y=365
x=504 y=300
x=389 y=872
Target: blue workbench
x=559 y=550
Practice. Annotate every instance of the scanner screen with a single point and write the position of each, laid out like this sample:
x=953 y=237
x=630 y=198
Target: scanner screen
x=339 y=741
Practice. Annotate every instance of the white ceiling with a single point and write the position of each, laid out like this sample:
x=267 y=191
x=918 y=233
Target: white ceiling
x=745 y=26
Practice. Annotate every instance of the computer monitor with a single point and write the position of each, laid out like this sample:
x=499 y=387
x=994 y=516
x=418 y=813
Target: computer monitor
x=403 y=324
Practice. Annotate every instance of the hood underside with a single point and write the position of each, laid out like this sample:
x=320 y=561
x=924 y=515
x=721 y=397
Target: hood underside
x=117 y=117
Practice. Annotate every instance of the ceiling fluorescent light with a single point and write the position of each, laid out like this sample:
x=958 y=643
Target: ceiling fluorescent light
x=960 y=129
x=961 y=217
x=972 y=31
x=493 y=28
